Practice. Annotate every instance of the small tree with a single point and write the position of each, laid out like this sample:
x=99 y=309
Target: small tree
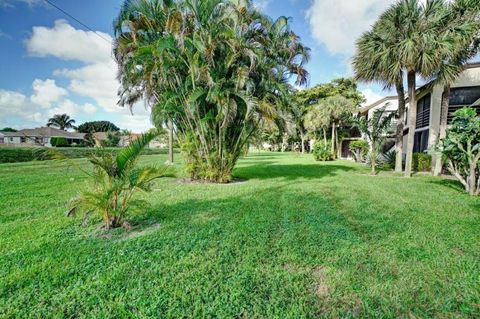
x=116 y=179
x=461 y=149
x=375 y=130
x=359 y=150
x=113 y=138
x=61 y=121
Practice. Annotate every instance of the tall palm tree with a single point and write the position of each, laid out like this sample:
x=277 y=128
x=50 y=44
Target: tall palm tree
x=61 y=121
x=215 y=68
x=463 y=35
x=376 y=61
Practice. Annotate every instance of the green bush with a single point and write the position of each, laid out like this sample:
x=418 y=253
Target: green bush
x=422 y=162
x=359 y=149
x=322 y=151
x=59 y=142
x=27 y=154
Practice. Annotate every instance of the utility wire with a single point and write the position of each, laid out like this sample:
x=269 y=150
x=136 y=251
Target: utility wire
x=77 y=20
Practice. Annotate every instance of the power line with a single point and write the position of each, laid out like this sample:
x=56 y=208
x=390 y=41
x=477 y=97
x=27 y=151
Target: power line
x=78 y=21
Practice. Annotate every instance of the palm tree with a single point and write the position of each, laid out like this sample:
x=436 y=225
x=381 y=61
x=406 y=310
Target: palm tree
x=116 y=180
x=375 y=130
x=376 y=61
x=216 y=69
x=61 y=121
x=462 y=33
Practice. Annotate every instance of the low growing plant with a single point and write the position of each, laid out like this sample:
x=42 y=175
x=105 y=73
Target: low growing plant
x=359 y=149
x=461 y=149
x=422 y=162
x=116 y=180
x=322 y=151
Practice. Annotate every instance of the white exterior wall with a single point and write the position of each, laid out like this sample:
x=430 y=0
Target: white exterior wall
x=391 y=105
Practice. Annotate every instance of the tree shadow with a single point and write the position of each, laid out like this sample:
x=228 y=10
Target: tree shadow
x=450 y=183
x=289 y=172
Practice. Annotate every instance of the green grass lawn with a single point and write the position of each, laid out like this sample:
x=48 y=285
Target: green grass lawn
x=297 y=239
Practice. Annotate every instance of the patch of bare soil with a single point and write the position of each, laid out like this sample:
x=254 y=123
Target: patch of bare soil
x=322 y=290
x=234 y=181
x=133 y=233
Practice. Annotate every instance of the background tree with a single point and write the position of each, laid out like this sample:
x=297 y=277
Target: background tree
x=61 y=121
x=375 y=130
x=112 y=140
x=8 y=129
x=215 y=68
x=97 y=126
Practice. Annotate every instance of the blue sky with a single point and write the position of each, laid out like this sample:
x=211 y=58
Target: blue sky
x=51 y=64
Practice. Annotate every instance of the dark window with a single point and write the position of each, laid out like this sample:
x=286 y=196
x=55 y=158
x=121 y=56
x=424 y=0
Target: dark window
x=22 y=139
x=420 y=141
x=461 y=97
x=423 y=111
x=1 y=140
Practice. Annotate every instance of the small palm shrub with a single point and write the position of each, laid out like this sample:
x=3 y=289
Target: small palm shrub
x=116 y=180
x=359 y=150
x=322 y=151
x=389 y=159
x=422 y=162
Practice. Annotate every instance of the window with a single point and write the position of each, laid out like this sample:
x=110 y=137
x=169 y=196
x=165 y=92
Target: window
x=461 y=97
x=22 y=139
x=423 y=111
x=11 y=139
x=2 y=140
x=421 y=141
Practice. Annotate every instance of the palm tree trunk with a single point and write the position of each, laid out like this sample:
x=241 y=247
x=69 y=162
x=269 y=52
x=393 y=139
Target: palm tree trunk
x=438 y=165
x=170 y=142
x=325 y=136
x=302 y=136
x=400 y=127
x=333 y=139
x=412 y=121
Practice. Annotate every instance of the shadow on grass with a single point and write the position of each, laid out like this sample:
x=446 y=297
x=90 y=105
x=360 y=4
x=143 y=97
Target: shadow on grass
x=450 y=183
x=290 y=172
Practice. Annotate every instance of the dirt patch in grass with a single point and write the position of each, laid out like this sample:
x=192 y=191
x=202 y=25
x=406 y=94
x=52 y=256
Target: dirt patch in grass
x=318 y=274
x=234 y=181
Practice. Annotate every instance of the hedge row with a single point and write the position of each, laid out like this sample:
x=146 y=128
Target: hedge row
x=26 y=154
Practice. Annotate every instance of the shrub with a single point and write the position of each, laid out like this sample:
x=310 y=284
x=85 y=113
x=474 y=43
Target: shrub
x=359 y=149
x=322 y=151
x=389 y=159
x=113 y=138
x=27 y=154
x=58 y=142
x=461 y=149
x=422 y=162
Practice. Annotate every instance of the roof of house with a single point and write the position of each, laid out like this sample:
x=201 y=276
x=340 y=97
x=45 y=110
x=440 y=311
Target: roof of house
x=46 y=132
x=371 y=106
x=8 y=134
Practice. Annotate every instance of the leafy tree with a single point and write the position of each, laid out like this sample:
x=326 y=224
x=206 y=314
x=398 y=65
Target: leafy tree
x=461 y=149
x=61 y=121
x=116 y=180
x=8 y=129
x=359 y=149
x=375 y=130
x=338 y=110
x=217 y=69
x=97 y=126
x=317 y=120
x=113 y=138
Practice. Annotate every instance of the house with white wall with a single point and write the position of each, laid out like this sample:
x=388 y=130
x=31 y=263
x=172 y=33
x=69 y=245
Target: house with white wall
x=38 y=137
x=464 y=92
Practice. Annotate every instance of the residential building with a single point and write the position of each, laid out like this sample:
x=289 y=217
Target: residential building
x=39 y=137
x=464 y=92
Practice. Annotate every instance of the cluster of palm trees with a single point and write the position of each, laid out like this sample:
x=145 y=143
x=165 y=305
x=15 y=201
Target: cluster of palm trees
x=411 y=39
x=216 y=70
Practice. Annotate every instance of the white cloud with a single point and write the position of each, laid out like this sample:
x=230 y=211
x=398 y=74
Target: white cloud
x=89 y=108
x=371 y=96
x=65 y=42
x=336 y=24
x=14 y=105
x=261 y=4
x=46 y=92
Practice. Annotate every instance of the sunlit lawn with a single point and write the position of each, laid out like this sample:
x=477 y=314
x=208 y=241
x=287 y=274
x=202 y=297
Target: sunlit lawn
x=296 y=239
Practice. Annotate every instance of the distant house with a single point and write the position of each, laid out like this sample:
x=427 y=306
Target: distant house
x=39 y=137
x=100 y=137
